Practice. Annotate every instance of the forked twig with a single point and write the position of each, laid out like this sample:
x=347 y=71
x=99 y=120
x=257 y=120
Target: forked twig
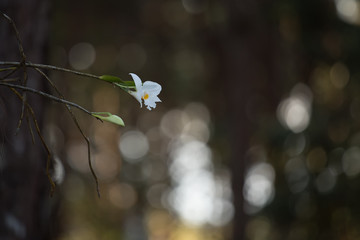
x=68 y=107
x=48 y=162
x=50 y=67
x=43 y=94
x=27 y=111
x=22 y=64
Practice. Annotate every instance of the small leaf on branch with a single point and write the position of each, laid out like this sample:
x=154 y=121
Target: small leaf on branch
x=106 y=116
x=110 y=78
x=118 y=81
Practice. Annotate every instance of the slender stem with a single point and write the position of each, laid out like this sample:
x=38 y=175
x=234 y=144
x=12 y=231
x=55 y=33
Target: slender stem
x=23 y=56
x=78 y=126
x=50 y=67
x=48 y=162
x=17 y=35
x=56 y=99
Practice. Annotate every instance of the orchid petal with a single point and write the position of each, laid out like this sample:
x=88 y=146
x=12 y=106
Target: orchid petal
x=138 y=84
x=137 y=81
x=146 y=91
x=152 y=87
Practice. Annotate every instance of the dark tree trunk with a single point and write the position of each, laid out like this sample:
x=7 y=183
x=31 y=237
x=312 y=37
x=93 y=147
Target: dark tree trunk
x=249 y=69
x=25 y=204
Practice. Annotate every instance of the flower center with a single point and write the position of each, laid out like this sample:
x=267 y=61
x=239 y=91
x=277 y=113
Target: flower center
x=146 y=96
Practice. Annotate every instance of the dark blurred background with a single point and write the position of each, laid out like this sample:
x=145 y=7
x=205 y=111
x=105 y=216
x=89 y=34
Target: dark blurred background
x=257 y=135
x=256 y=138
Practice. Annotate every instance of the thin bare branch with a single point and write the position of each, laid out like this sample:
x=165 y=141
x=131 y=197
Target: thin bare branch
x=48 y=161
x=17 y=35
x=68 y=107
x=50 y=67
x=22 y=64
x=56 y=99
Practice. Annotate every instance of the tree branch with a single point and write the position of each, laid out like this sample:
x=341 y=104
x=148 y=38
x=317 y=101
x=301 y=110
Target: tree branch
x=56 y=99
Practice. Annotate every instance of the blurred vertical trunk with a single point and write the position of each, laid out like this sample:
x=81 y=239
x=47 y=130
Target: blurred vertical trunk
x=248 y=71
x=25 y=211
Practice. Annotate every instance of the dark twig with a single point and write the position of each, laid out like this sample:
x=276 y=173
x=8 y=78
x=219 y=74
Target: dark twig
x=48 y=161
x=50 y=67
x=56 y=99
x=13 y=70
x=68 y=107
x=26 y=106
x=22 y=63
x=30 y=128
x=17 y=35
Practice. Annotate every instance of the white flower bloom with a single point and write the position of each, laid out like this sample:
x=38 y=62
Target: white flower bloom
x=147 y=91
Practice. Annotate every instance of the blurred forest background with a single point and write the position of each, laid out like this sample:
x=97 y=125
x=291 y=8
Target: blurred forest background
x=257 y=136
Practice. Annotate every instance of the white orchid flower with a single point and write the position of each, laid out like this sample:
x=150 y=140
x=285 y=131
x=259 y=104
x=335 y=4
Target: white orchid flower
x=147 y=91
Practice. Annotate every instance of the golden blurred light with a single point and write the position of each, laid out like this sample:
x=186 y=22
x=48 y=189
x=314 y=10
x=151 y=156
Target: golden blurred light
x=198 y=196
x=122 y=195
x=316 y=159
x=339 y=75
x=193 y=122
x=193 y=198
x=132 y=57
x=160 y=224
x=173 y=122
x=198 y=124
x=326 y=88
x=351 y=161
x=296 y=174
x=186 y=232
x=197 y=129
x=133 y=145
x=198 y=111
x=82 y=56
x=258 y=228
x=348 y=11
x=295 y=111
x=259 y=186
x=187 y=157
